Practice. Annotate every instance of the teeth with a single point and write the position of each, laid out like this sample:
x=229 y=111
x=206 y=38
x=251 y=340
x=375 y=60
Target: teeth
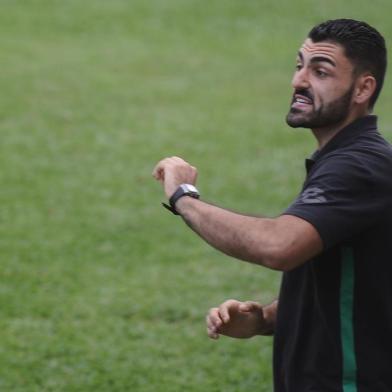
x=301 y=100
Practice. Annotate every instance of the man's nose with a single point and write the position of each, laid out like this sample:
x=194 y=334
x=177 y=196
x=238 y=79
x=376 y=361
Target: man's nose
x=300 y=79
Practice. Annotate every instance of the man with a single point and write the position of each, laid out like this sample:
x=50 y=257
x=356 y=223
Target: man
x=332 y=321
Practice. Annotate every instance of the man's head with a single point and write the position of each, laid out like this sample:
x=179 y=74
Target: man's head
x=340 y=70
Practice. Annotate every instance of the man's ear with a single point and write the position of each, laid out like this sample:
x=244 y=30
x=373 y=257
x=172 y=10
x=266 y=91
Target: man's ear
x=364 y=89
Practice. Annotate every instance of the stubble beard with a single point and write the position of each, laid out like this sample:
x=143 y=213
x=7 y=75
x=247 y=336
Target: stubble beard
x=325 y=116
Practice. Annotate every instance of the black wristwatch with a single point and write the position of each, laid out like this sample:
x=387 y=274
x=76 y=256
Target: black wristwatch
x=182 y=190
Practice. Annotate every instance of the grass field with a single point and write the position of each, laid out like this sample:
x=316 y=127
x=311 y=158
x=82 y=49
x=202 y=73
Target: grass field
x=100 y=288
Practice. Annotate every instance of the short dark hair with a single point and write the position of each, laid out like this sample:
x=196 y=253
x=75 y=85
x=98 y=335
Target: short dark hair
x=364 y=46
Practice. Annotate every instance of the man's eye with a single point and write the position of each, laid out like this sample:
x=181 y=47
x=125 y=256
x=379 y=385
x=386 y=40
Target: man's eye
x=321 y=73
x=298 y=67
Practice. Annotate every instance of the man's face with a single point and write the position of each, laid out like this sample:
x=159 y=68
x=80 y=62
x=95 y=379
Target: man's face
x=323 y=86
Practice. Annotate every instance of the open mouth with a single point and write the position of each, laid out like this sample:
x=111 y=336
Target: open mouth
x=301 y=101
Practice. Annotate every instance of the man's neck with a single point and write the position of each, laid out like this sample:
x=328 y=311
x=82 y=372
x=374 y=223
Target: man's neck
x=324 y=135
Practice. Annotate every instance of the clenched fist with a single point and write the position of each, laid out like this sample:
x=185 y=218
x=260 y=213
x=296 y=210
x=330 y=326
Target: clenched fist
x=172 y=172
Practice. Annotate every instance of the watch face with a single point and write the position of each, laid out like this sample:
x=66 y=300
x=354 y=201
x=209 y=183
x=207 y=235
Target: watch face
x=189 y=188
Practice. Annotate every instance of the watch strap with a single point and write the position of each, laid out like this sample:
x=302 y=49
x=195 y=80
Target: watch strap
x=182 y=190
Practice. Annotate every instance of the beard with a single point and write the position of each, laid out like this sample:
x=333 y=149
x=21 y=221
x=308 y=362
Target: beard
x=326 y=115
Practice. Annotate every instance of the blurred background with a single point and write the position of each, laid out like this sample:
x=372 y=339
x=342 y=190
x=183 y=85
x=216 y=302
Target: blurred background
x=101 y=289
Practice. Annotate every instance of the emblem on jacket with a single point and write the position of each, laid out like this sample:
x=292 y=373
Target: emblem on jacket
x=312 y=195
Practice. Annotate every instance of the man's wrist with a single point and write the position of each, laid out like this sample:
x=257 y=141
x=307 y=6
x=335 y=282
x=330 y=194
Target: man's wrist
x=183 y=190
x=183 y=203
x=269 y=318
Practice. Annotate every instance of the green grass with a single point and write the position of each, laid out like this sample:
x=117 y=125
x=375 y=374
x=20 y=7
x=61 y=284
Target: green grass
x=100 y=288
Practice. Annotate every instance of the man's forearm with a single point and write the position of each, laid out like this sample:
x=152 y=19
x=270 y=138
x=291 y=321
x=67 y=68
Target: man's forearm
x=282 y=243
x=244 y=237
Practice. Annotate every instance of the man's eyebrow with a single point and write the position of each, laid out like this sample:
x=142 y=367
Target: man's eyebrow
x=322 y=59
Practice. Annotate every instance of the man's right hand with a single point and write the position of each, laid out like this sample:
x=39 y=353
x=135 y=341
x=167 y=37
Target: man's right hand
x=237 y=320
